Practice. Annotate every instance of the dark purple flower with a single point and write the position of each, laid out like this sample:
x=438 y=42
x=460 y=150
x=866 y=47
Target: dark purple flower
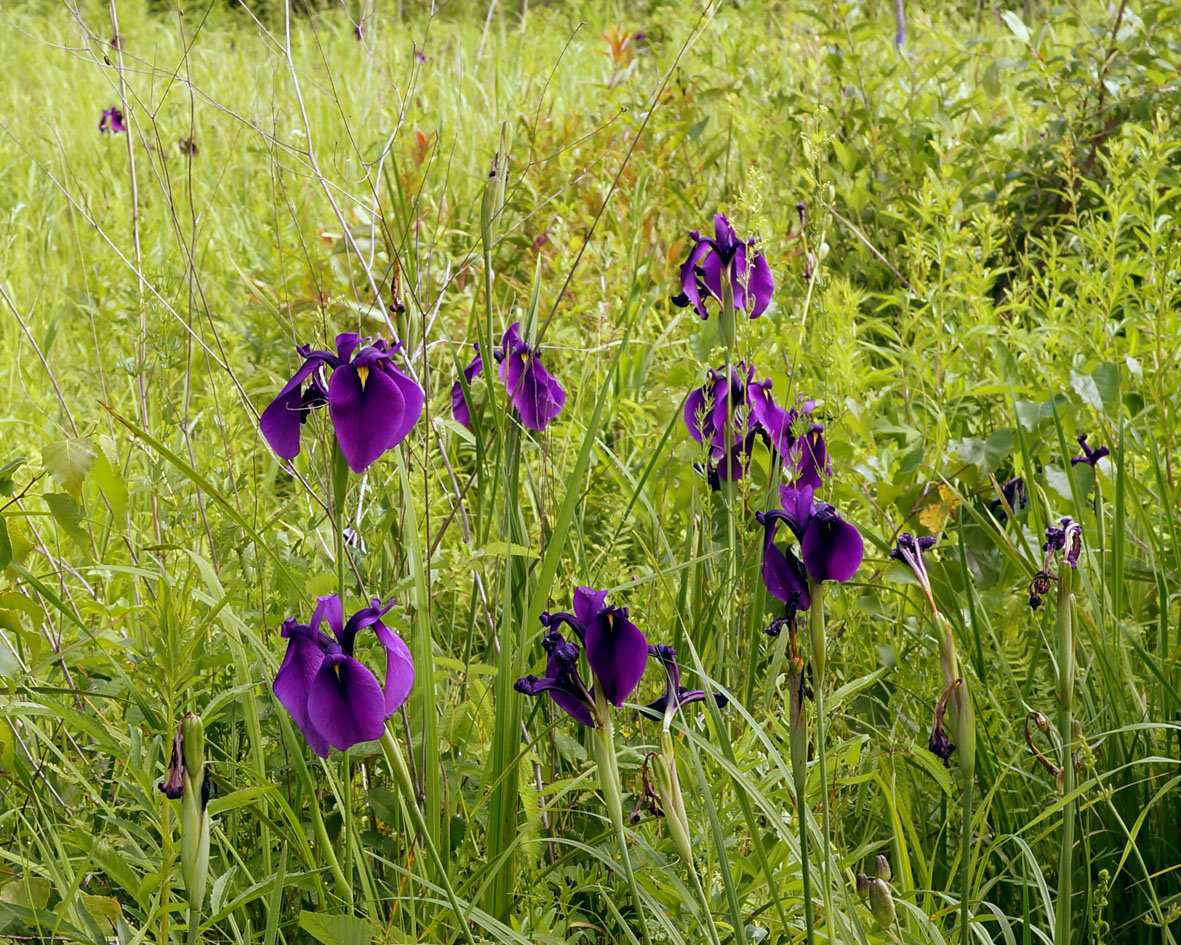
x=372 y=405
x=535 y=394
x=939 y=743
x=831 y=549
x=725 y=257
x=675 y=695
x=1015 y=498
x=173 y=786
x=334 y=699
x=112 y=120
x=459 y=405
x=806 y=455
x=1090 y=456
x=717 y=416
x=616 y=652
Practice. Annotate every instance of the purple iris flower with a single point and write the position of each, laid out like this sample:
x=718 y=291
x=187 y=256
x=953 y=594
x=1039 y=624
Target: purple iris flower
x=459 y=405
x=112 y=120
x=616 y=652
x=532 y=389
x=717 y=416
x=333 y=698
x=372 y=405
x=675 y=695
x=806 y=455
x=1065 y=537
x=831 y=549
x=1090 y=456
x=725 y=257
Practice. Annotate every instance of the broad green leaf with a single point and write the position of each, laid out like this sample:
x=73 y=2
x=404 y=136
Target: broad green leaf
x=68 y=461
x=336 y=929
x=67 y=514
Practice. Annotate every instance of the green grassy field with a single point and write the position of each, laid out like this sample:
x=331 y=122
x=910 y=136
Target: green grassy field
x=972 y=225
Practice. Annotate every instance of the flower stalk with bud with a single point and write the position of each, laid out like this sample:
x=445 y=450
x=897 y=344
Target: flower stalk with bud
x=188 y=782
x=955 y=704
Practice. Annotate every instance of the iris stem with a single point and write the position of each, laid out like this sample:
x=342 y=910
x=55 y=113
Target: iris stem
x=397 y=762
x=816 y=629
x=798 y=729
x=609 y=781
x=1063 y=917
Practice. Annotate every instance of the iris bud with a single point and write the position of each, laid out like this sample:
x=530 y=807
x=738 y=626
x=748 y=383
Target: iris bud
x=882 y=867
x=881 y=903
x=194 y=820
x=862 y=885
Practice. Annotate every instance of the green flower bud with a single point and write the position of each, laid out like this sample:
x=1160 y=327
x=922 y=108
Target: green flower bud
x=882 y=867
x=862 y=885
x=194 y=820
x=193 y=735
x=881 y=903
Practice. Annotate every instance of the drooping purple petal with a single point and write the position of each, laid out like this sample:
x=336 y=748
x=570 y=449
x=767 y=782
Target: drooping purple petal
x=345 y=703
x=690 y=283
x=770 y=417
x=367 y=410
x=760 y=286
x=809 y=459
x=617 y=653
x=783 y=575
x=293 y=682
x=281 y=420
x=832 y=549
x=459 y=405
x=561 y=680
x=534 y=392
x=399 y=667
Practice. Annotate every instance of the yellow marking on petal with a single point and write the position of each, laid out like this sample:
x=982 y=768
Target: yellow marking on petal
x=363 y=373
x=524 y=357
x=336 y=669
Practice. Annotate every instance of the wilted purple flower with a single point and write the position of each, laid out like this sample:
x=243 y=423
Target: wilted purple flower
x=909 y=550
x=725 y=257
x=675 y=695
x=459 y=405
x=939 y=743
x=112 y=120
x=1090 y=456
x=830 y=548
x=535 y=394
x=333 y=698
x=1015 y=498
x=372 y=405
x=173 y=787
x=616 y=652
x=648 y=798
x=1067 y=537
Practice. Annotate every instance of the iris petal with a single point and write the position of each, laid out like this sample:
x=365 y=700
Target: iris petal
x=280 y=421
x=783 y=576
x=345 y=703
x=293 y=682
x=760 y=286
x=832 y=549
x=364 y=415
x=617 y=653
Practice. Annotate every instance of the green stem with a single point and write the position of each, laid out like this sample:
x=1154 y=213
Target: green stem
x=609 y=781
x=966 y=863
x=1063 y=918
x=194 y=935
x=397 y=762
x=799 y=772
x=816 y=629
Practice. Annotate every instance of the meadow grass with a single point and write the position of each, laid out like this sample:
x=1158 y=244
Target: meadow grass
x=975 y=242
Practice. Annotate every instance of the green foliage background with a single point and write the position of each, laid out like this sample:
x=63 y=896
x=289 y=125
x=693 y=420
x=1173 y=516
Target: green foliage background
x=985 y=264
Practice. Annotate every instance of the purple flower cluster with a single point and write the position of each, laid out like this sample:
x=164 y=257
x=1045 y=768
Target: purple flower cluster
x=534 y=393
x=728 y=416
x=725 y=263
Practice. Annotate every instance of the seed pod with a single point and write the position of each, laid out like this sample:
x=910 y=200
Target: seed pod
x=882 y=868
x=862 y=885
x=881 y=903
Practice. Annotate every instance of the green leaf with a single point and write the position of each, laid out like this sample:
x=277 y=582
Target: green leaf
x=336 y=929
x=5 y=545
x=1084 y=385
x=68 y=461
x=1106 y=377
x=1016 y=27
x=7 y=471
x=67 y=514
x=110 y=480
